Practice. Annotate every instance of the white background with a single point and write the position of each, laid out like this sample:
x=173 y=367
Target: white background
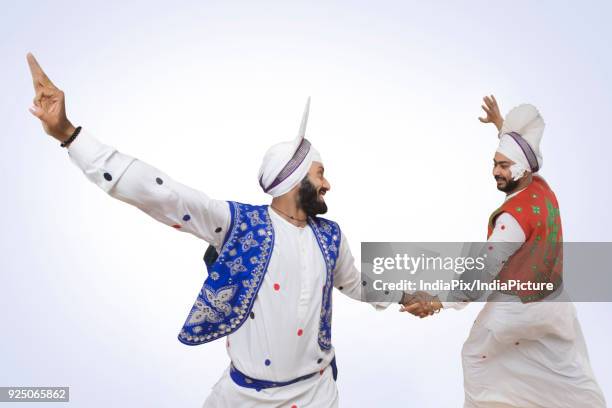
x=93 y=292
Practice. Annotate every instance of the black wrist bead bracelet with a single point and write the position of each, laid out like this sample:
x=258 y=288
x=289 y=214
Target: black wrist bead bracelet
x=72 y=137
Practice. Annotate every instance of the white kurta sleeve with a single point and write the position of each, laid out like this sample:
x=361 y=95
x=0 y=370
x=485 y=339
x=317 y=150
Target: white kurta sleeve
x=149 y=189
x=507 y=237
x=348 y=279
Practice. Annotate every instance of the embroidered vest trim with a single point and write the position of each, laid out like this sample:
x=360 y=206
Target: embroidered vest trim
x=234 y=279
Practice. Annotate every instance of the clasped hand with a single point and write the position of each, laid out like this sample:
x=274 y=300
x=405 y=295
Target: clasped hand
x=420 y=304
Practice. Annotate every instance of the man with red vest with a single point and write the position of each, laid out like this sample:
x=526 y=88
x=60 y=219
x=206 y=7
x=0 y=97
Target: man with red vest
x=525 y=349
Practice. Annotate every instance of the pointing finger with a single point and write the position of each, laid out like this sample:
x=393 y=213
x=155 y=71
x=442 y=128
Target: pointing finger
x=38 y=75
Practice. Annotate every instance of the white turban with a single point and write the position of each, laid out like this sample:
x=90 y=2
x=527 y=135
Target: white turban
x=526 y=121
x=285 y=164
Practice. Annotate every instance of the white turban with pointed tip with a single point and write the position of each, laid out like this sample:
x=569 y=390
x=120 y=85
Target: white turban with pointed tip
x=285 y=164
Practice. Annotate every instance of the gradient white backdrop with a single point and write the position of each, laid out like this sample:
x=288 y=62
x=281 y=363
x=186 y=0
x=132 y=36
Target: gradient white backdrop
x=93 y=292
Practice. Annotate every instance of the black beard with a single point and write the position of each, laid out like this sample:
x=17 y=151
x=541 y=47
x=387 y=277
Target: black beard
x=510 y=186
x=308 y=199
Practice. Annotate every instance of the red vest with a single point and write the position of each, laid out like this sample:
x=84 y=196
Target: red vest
x=540 y=258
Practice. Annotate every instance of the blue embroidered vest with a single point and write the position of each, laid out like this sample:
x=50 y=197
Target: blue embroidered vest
x=228 y=293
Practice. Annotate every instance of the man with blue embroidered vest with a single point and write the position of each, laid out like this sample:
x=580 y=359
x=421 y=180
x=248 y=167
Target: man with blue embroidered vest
x=526 y=348
x=269 y=289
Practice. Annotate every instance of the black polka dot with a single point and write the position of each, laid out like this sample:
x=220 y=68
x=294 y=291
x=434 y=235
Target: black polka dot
x=386 y=292
x=319 y=361
x=108 y=177
x=186 y=217
x=364 y=283
x=218 y=229
x=252 y=315
x=340 y=287
x=159 y=181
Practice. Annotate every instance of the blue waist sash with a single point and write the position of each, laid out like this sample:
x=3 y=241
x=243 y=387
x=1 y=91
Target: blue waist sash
x=249 y=382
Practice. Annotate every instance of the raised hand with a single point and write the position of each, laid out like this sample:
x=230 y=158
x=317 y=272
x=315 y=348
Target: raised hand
x=492 y=110
x=421 y=304
x=49 y=105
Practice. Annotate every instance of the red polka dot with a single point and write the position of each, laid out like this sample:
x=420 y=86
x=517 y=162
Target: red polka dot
x=490 y=248
x=176 y=226
x=300 y=332
x=321 y=371
x=276 y=286
x=503 y=227
x=294 y=406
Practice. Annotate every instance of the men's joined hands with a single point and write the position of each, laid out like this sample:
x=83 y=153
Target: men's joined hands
x=420 y=304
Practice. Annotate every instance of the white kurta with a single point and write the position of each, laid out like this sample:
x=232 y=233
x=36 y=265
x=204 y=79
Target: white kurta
x=529 y=355
x=279 y=340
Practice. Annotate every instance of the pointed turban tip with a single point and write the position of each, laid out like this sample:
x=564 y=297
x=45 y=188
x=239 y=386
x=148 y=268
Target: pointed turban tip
x=285 y=164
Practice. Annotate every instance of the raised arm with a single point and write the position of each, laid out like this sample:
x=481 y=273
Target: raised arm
x=48 y=104
x=493 y=114
x=125 y=177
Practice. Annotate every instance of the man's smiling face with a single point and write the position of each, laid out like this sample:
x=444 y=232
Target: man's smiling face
x=503 y=174
x=312 y=189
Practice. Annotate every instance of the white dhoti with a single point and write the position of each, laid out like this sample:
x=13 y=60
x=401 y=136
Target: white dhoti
x=320 y=391
x=527 y=356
